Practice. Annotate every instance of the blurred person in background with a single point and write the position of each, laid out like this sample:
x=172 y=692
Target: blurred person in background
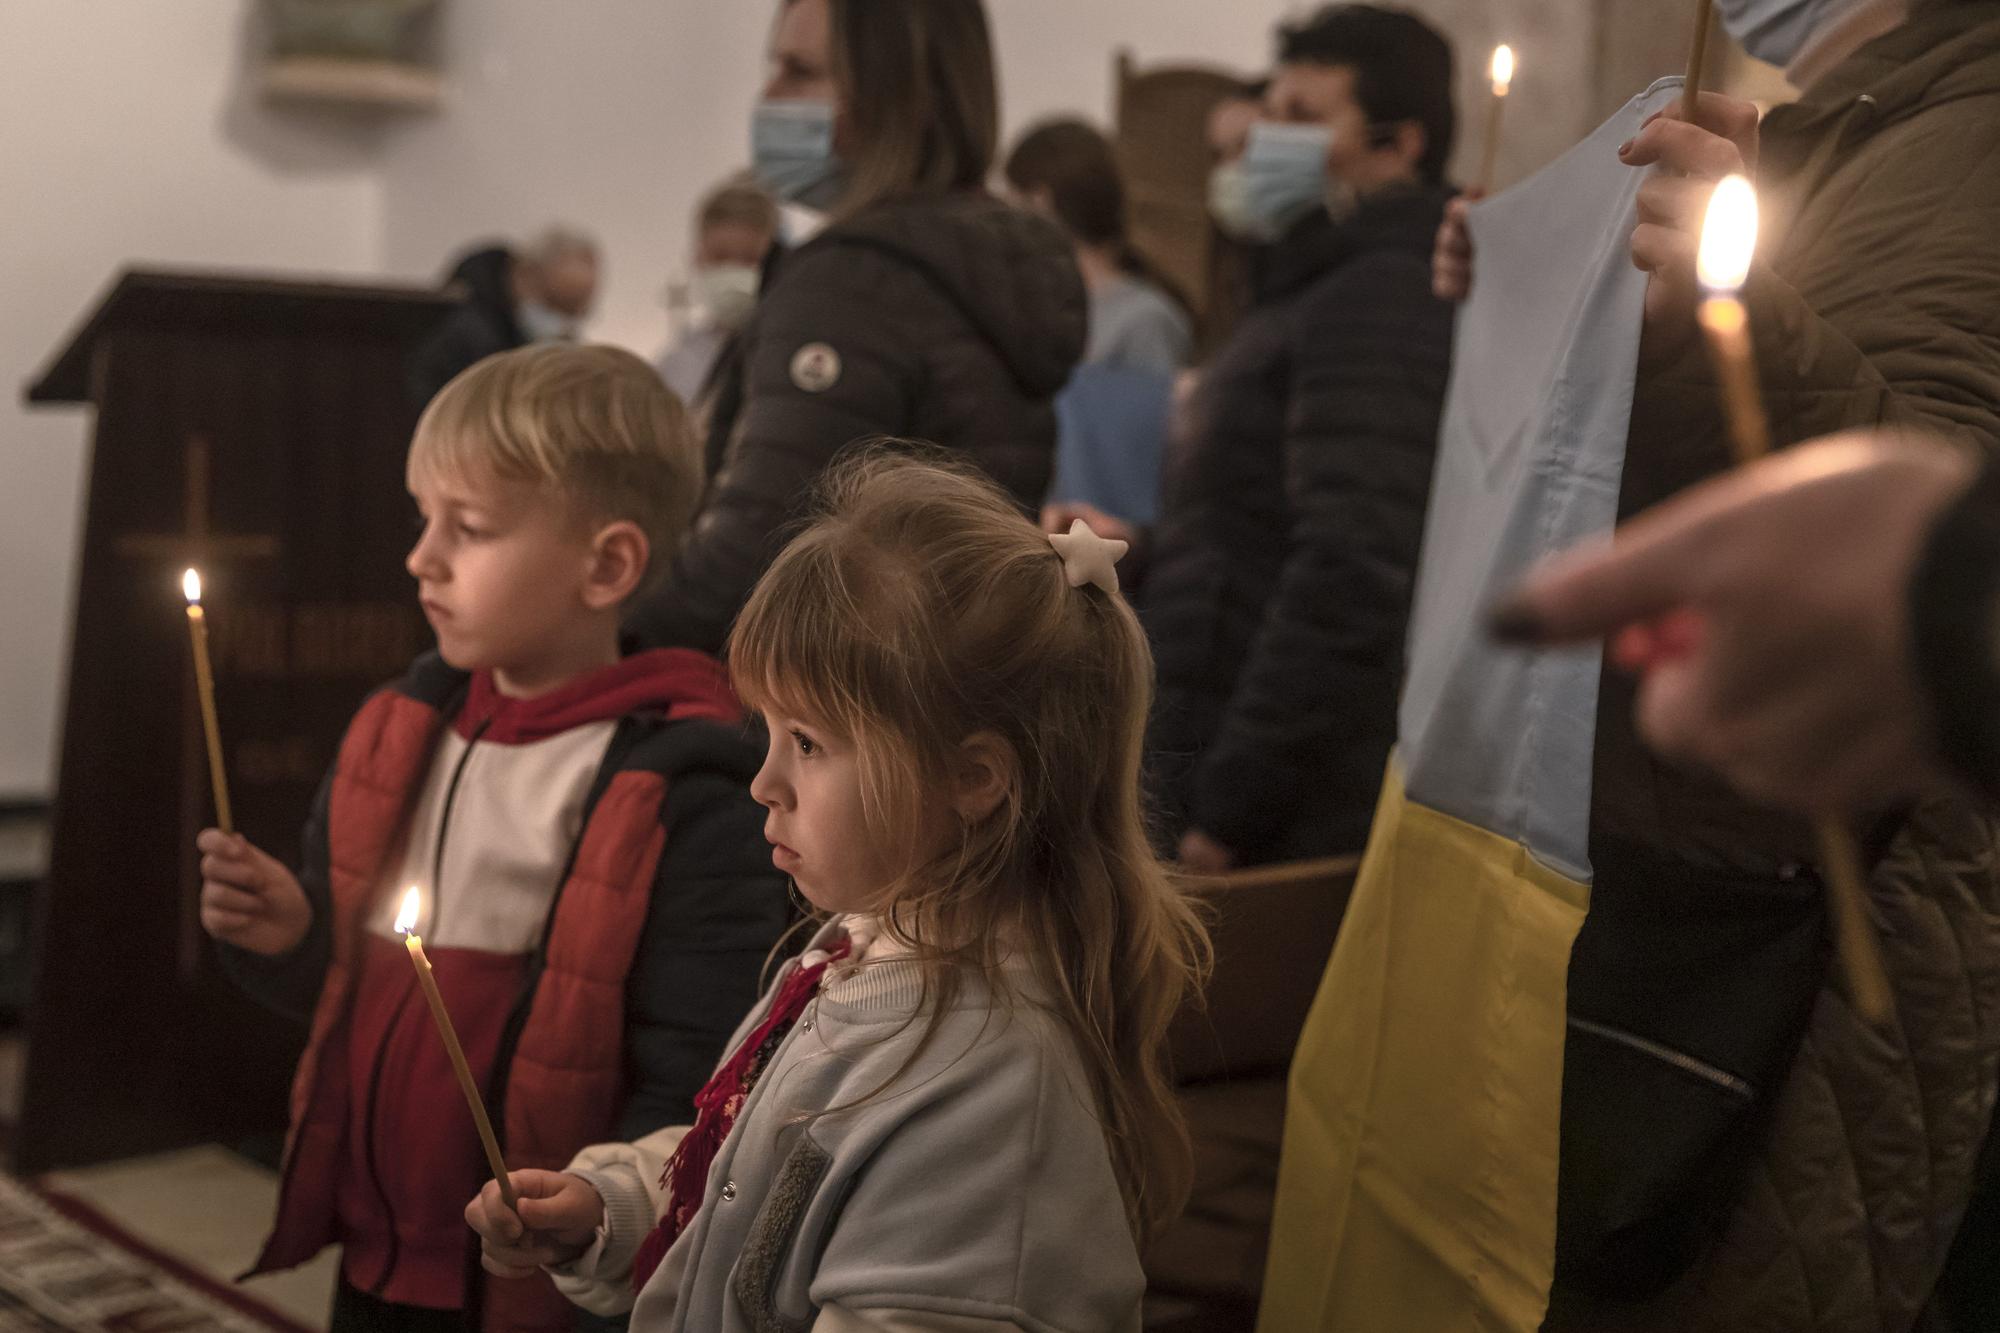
x=735 y=228
x=511 y=297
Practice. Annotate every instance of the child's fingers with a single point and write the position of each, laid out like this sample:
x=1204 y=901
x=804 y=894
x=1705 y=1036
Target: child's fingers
x=243 y=874
x=490 y=1216
x=500 y=1268
x=225 y=925
x=218 y=896
x=218 y=843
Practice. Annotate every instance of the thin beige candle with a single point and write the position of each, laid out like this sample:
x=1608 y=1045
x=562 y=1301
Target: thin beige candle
x=1728 y=243
x=204 y=684
x=1704 y=23
x=406 y=921
x=1502 y=73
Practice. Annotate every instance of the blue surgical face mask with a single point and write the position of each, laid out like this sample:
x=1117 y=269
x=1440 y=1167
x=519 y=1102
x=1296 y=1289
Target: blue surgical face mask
x=543 y=324
x=1280 y=178
x=791 y=152
x=1777 y=31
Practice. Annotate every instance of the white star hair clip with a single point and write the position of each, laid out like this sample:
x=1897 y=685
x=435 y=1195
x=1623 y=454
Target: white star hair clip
x=1087 y=557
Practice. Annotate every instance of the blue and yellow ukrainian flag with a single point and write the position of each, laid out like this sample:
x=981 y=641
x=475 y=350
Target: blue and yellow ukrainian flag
x=1418 y=1188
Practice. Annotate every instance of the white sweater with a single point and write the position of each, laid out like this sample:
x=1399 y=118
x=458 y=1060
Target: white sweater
x=975 y=1195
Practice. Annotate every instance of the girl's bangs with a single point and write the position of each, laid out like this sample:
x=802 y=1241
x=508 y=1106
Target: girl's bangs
x=794 y=647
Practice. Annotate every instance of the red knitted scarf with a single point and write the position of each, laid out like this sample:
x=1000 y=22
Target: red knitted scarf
x=685 y=1177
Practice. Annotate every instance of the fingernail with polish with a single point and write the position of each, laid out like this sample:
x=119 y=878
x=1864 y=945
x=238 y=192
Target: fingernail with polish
x=1626 y=147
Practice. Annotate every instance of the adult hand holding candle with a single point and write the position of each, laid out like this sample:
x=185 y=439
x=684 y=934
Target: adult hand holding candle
x=406 y=923
x=1663 y=628
x=204 y=681
x=1728 y=245
x=1704 y=23
x=1692 y=151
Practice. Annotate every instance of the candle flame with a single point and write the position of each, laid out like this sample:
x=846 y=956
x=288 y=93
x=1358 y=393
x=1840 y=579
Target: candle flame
x=1728 y=237
x=406 y=920
x=191 y=587
x=1503 y=69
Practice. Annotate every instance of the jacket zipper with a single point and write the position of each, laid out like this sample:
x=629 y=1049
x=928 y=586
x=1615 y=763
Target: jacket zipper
x=395 y=1019
x=1680 y=1060
x=622 y=740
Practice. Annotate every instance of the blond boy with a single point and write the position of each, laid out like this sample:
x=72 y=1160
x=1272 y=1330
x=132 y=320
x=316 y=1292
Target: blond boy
x=596 y=896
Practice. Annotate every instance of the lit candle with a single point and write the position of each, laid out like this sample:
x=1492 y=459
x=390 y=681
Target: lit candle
x=1728 y=243
x=1502 y=73
x=406 y=925
x=204 y=684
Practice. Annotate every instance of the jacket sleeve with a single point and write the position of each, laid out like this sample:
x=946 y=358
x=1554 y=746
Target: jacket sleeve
x=718 y=909
x=840 y=1319
x=289 y=984
x=626 y=1176
x=827 y=366
x=1369 y=357
x=1955 y=623
x=1907 y=339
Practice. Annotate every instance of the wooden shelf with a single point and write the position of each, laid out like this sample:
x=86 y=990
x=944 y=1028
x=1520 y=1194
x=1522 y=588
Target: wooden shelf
x=382 y=84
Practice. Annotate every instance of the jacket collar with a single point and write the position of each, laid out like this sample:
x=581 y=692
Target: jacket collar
x=674 y=683
x=1948 y=49
x=1398 y=217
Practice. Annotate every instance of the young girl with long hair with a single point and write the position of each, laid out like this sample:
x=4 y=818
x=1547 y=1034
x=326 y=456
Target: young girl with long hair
x=950 y=1112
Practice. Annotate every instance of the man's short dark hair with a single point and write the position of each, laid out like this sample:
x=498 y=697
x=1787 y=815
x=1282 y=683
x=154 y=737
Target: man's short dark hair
x=1402 y=69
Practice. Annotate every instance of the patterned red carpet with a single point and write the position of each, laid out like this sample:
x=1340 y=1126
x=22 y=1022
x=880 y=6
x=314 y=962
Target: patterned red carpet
x=65 y=1268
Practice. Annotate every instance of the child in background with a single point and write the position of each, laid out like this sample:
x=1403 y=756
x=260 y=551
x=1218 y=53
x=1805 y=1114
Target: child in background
x=596 y=902
x=951 y=1110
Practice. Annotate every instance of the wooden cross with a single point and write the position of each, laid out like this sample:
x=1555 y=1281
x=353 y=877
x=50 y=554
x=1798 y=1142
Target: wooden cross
x=202 y=548
x=196 y=546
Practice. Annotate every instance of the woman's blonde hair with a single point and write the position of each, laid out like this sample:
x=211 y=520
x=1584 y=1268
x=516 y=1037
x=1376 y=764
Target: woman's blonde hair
x=920 y=611
x=922 y=100
x=595 y=424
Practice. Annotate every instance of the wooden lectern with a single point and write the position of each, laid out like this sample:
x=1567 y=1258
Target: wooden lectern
x=255 y=429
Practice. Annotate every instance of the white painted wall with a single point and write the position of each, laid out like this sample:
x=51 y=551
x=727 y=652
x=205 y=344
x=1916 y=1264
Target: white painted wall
x=128 y=138
x=124 y=138
x=619 y=114
x=614 y=115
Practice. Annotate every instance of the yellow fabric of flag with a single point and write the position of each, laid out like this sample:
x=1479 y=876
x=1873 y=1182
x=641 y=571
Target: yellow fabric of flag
x=1418 y=1188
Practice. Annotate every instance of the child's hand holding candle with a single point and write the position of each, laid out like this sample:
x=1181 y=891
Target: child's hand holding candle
x=406 y=923
x=204 y=683
x=550 y=1221
x=248 y=897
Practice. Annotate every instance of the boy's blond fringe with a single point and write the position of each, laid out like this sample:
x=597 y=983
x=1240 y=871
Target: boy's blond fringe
x=596 y=424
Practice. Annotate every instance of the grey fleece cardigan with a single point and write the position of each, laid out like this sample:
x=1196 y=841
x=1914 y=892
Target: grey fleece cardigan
x=976 y=1193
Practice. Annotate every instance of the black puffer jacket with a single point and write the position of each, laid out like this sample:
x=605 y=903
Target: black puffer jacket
x=1280 y=594
x=482 y=325
x=952 y=319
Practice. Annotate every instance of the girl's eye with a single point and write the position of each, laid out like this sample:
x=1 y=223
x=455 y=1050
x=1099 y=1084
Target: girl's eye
x=807 y=745
x=470 y=533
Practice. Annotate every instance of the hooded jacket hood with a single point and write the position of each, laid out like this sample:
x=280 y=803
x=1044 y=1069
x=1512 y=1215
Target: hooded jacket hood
x=674 y=683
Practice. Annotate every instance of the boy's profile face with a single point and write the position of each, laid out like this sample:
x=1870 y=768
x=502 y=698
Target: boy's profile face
x=502 y=570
